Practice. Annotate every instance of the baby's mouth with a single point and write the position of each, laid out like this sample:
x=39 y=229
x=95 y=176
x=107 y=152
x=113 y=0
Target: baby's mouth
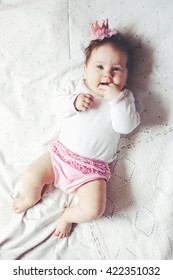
x=105 y=84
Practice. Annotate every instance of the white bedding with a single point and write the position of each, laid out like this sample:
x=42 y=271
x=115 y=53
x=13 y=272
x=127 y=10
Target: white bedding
x=41 y=48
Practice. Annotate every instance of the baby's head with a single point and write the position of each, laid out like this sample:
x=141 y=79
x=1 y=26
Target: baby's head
x=116 y=41
x=107 y=61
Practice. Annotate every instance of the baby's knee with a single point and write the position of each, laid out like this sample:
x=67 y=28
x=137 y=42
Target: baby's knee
x=31 y=185
x=94 y=212
x=29 y=176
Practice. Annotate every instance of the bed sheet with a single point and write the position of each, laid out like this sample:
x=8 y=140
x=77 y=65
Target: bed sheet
x=41 y=48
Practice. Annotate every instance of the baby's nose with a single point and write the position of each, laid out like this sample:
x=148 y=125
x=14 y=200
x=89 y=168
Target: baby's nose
x=108 y=74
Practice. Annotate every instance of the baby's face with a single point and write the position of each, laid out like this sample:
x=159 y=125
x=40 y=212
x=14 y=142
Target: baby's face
x=107 y=64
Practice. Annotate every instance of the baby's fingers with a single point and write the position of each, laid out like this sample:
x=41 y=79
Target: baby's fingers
x=88 y=98
x=87 y=101
x=86 y=104
x=83 y=102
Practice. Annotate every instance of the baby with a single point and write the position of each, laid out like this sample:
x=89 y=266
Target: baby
x=96 y=112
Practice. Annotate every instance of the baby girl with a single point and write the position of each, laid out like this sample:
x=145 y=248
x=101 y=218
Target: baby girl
x=96 y=112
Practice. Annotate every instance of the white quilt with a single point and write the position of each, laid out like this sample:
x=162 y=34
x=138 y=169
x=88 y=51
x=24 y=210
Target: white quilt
x=41 y=48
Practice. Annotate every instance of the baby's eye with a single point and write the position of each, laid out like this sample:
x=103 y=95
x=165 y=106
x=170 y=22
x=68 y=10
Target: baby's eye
x=100 y=67
x=116 y=69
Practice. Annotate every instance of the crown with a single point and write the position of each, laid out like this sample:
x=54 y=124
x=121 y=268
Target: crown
x=102 y=31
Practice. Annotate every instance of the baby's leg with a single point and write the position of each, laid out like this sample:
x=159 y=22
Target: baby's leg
x=38 y=173
x=91 y=205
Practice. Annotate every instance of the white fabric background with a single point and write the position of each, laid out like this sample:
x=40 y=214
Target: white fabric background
x=41 y=48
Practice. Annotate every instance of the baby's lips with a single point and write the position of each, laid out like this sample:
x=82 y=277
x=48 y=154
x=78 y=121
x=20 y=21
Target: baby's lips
x=102 y=86
x=104 y=83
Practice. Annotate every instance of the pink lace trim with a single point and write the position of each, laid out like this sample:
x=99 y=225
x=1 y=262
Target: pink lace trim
x=86 y=165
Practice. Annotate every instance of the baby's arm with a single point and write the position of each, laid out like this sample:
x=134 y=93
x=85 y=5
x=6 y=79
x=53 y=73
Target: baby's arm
x=66 y=103
x=122 y=108
x=123 y=112
x=62 y=101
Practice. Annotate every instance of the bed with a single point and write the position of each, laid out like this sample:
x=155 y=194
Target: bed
x=41 y=49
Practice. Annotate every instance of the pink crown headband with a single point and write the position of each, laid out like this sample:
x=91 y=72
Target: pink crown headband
x=102 y=31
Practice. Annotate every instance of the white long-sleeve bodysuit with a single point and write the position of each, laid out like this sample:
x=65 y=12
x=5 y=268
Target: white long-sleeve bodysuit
x=94 y=133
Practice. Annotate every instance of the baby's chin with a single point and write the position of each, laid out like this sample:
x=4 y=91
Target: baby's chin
x=99 y=92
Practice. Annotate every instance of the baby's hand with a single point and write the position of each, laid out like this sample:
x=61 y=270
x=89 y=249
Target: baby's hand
x=83 y=102
x=110 y=91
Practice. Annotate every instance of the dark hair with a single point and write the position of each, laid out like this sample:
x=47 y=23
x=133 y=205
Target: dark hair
x=116 y=40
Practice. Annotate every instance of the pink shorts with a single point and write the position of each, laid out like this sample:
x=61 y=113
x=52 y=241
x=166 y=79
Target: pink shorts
x=72 y=171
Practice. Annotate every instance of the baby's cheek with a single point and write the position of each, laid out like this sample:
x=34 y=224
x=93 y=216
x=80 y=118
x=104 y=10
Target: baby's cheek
x=117 y=79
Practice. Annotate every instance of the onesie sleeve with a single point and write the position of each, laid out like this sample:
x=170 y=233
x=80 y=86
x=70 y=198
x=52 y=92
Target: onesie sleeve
x=62 y=103
x=123 y=112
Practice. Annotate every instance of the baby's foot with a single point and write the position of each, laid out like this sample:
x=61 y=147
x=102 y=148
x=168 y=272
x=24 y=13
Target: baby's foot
x=21 y=204
x=63 y=229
